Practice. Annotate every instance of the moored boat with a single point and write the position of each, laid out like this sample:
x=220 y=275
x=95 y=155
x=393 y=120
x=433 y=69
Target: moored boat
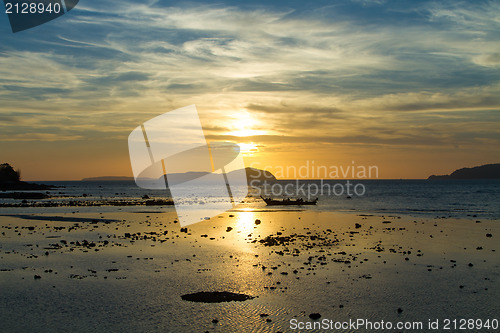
x=288 y=202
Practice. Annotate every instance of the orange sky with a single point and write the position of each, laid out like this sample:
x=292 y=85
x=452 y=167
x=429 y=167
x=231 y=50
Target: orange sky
x=413 y=89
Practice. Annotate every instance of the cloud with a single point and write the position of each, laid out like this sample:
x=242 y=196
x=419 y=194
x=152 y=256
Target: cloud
x=294 y=109
x=337 y=71
x=488 y=60
x=48 y=137
x=465 y=99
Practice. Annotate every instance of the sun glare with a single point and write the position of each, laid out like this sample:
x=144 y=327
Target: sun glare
x=246 y=222
x=246 y=132
x=243 y=124
x=248 y=148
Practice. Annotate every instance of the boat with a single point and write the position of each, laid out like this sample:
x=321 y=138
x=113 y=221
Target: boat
x=288 y=202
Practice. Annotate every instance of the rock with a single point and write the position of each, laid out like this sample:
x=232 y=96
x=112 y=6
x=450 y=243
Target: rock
x=215 y=297
x=215 y=321
x=489 y=235
x=314 y=316
x=257 y=221
x=23 y=196
x=37 y=277
x=357 y=225
x=400 y=310
x=228 y=229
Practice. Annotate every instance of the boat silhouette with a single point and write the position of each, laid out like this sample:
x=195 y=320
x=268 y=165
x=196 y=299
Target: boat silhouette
x=288 y=202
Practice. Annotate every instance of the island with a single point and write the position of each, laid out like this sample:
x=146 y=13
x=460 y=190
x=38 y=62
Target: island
x=10 y=180
x=487 y=171
x=253 y=174
x=108 y=179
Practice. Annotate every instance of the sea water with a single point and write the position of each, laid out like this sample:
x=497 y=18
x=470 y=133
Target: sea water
x=436 y=198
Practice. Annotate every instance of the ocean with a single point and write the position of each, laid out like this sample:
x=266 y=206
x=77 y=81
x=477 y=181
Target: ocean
x=438 y=198
x=127 y=268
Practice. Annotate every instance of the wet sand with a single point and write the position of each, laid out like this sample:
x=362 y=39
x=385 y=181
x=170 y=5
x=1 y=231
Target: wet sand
x=129 y=271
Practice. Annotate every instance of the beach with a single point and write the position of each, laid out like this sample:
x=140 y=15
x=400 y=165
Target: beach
x=128 y=271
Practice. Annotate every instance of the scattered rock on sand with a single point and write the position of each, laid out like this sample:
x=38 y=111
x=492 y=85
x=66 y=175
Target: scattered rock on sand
x=314 y=316
x=215 y=297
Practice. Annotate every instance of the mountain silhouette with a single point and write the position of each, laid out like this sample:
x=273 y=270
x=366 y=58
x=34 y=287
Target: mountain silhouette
x=487 y=171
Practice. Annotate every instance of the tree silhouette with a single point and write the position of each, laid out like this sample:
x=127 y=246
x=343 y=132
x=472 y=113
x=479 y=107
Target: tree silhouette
x=8 y=174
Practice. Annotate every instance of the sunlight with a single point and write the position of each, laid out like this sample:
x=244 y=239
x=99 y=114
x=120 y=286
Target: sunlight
x=246 y=222
x=243 y=125
x=246 y=132
x=248 y=148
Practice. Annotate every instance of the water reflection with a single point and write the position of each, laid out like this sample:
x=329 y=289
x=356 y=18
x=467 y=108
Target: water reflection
x=246 y=221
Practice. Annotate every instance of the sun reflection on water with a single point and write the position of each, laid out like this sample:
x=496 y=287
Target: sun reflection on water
x=246 y=221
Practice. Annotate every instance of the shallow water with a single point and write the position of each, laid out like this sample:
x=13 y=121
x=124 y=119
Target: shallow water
x=423 y=198
x=84 y=292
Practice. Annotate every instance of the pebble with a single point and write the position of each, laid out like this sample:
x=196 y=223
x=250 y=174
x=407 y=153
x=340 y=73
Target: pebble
x=314 y=316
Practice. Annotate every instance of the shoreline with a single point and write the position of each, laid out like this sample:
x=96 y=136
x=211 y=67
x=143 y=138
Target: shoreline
x=118 y=206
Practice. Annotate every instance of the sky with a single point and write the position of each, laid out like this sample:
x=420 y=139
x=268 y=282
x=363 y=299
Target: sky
x=412 y=87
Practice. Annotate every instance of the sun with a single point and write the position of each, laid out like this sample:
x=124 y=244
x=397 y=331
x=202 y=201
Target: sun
x=243 y=125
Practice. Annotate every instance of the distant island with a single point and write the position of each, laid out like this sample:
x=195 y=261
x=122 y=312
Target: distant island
x=488 y=171
x=107 y=178
x=252 y=174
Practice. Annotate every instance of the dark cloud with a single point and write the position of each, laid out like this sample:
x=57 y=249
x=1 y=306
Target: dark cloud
x=33 y=93
x=284 y=108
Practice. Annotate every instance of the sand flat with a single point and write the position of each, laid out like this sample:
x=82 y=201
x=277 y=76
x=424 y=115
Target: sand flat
x=130 y=275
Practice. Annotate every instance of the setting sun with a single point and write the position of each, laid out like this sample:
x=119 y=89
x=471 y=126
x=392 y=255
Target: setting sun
x=244 y=124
